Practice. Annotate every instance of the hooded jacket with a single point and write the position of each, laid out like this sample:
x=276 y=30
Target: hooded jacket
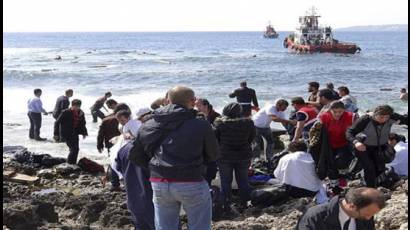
x=174 y=144
x=234 y=134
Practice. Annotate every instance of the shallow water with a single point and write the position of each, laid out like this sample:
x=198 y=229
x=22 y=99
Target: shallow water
x=139 y=67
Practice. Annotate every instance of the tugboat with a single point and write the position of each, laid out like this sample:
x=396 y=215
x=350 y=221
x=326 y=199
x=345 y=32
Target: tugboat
x=310 y=38
x=270 y=32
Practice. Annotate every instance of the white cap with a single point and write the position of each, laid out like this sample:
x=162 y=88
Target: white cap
x=142 y=111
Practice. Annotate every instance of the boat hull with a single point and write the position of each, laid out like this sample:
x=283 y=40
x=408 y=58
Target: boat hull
x=340 y=47
x=266 y=35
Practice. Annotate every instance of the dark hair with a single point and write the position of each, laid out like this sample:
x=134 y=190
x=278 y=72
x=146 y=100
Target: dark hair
x=232 y=110
x=243 y=83
x=68 y=91
x=298 y=145
x=121 y=106
x=363 y=197
x=330 y=85
x=297 y=101
x=397 y=137
x=282 y=102
x=344 y=89
x=403 y=90
x=108 y=94
x=123 y=113
x=76 y=102
x=314 y=84
x=383 y=110
x=205 y=102
x=37 y=91
x=337 y=105
x=326 y=93
x=111 y=102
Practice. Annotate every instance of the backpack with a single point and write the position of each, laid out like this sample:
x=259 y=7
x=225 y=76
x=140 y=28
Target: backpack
x=90 y=166
x=388 y=178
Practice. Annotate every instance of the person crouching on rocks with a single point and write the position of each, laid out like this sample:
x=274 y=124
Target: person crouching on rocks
x=72 y=123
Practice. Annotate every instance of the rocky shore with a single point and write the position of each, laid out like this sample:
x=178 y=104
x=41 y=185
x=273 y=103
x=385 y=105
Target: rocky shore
x=65 y=197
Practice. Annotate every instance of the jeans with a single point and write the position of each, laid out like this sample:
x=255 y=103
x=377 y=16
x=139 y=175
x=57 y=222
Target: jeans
x=226 y=169
x=97 y=113
x=194 y=197
x=72 y=143
x=267 y=134
x=35 y=125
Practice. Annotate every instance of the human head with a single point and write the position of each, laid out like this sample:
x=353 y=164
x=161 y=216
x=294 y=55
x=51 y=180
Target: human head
x=182 y=95
x=203 y=105
x=76 y=104
x=330 y=85
x=107 y=94
x=38 y=92
x=402 y=90
x=141 y=112
x=313 y=86
x=121 y=106
x=111 y=103
x=242 y=83
x=281 y=104
x=297 y=102
x=382 y=113
x=337 y=108
x=363 y=203
x=394 y=138
x=343 y=91
x=325 y=96
x=232 y=110
x=123 y=116
x=69 y=92
x=296 y=146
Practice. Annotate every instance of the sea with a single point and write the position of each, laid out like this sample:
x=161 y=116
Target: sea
x=140 y=67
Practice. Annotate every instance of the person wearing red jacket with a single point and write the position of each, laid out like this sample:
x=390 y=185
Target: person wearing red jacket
x=336 y=121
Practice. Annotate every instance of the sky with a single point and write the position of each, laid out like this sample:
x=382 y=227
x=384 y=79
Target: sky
x=192 y=15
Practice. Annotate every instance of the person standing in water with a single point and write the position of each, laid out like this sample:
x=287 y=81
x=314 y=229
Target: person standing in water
x=245 y=97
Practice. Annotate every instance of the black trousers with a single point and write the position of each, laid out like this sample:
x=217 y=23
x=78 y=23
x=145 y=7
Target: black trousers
x=296 y=192
x=372 y=165
x=57 y=133
x=72 y=143
x=341 y=160
x=97 y=113
x=35 y=125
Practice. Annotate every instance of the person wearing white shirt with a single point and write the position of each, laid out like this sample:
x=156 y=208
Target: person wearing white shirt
x=297 y=171
x=129 y=126
x=348 y=100
x=35 y=108
x=262 y=120
x=400 y=163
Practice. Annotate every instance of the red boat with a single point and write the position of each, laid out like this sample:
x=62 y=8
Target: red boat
x=310 y=38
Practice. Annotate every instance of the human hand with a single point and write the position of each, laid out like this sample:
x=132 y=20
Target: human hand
x=360 y=146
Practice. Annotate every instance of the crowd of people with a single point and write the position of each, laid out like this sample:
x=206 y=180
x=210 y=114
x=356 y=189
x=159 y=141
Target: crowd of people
x=168 y=155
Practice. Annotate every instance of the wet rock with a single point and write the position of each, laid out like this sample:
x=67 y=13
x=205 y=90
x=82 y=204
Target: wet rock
x=47 y=174
x=19 y=216
x=66 y=169
x=394 y=215
x=91 y=211
x=15 y=149
x=45 y=211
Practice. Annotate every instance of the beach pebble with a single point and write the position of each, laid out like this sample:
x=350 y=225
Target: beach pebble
x=66 y=169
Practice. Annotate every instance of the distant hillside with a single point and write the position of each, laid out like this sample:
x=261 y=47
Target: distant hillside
x=387 y=28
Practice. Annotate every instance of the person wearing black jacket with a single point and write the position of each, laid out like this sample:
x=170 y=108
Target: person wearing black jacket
x=235 y=135
x=72 y=123
x=353 y=211
x=244 y=96
x=369 y=135
x=176 y=146
x=62 y=103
